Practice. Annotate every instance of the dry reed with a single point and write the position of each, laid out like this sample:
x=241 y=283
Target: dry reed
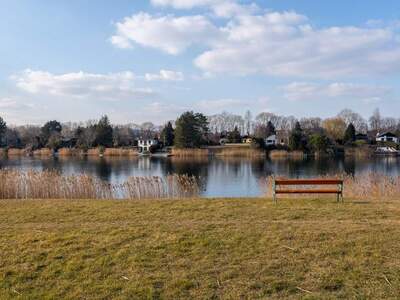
x=15 y=184
x=93 y=152
x=120 y=152
x=17 y=152
x=367 y=186
x=71 y=152
x=245 y=152
x=190 y=152
x=43 y=152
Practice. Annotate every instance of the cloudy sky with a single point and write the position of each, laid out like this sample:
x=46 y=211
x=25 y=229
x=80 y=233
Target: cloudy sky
x=149 y=60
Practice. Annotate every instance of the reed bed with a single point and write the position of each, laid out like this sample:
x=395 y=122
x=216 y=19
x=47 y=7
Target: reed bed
x=17 y=152
x=190 y=152
x=15 y=184
x=93 y=152
x=120 y=152
x=245 y=152
x=368 y=186
x=71 y=152
x=44 y=152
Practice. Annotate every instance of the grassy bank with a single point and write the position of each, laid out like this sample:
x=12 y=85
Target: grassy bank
x=230 y=249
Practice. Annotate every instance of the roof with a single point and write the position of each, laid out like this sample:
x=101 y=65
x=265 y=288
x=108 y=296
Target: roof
x=386 y=134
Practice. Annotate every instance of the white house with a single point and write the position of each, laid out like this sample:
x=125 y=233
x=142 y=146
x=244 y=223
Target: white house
x=271 y=140
x=146 y=145
x=387 y=137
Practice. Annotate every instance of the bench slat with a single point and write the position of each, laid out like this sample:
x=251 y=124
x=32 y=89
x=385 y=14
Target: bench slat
x=308 y=192
x=308 y=181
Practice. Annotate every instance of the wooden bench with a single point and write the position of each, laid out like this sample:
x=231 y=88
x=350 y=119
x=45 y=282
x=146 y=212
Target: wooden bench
x=277 y=183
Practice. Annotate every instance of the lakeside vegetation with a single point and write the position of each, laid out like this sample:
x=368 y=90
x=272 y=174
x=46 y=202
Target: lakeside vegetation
x=15 y=184
x=312 y=249
x=348 y=133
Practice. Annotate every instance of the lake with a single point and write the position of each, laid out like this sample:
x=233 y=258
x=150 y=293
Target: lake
x=221 y=177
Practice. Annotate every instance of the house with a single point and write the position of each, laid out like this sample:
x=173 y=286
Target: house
x=68 y=142
x=148 y=145
x=271 y=140
x=223 y=141
x=247 y=140
x=387 y=137
x=280 y=138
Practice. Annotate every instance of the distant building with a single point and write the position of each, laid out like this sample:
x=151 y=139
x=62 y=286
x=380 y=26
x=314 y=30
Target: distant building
x=223 y=141
x=271 y=140
x=147 y=145
x=282 y=137
x=68 y=142
x=387 y=137
x=247 y=140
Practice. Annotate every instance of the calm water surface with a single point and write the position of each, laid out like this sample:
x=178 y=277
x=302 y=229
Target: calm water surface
x=228 y=177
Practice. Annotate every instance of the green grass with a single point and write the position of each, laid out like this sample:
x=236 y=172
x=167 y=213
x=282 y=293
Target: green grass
x=204 y=249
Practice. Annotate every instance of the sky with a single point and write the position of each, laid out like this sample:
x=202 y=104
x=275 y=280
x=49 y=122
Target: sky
x=150 y=60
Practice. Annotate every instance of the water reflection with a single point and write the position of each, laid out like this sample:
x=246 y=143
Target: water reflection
x=221 y=177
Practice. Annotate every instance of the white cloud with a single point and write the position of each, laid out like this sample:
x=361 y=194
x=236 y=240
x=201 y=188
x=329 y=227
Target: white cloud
x=312 y=91
x=165 y=75
x=282 y=44
x=170 y=34
x=285 y=44
x=221 y=8
x=113 y=86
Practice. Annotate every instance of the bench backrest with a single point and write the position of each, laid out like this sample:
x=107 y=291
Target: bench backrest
x=308 y=181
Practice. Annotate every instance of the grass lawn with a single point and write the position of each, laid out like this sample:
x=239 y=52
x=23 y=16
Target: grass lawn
x=199 y=249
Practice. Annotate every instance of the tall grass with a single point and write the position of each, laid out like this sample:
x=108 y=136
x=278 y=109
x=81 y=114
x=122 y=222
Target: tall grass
x=367 y=186
x=15 y=184
x=245 y=152
x=71 y=152
x=190 y=152
x=120 y=152
x=44 y=152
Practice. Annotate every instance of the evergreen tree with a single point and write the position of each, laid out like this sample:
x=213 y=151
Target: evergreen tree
x=270 y=129
x=104 y=132
x=349 y=134
x=191 y=130
x=234 y=136
x=296 y=139
x=168 y=135
x=3 y=129
x=51 y=129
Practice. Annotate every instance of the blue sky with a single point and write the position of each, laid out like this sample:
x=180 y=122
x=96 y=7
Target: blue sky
x=151 y=60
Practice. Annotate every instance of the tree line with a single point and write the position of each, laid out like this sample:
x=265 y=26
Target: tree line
x=192 y=130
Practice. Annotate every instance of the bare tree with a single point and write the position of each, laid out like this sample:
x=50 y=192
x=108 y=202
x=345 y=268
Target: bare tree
x=349 y=116
x=248 y=121
x=375 y=121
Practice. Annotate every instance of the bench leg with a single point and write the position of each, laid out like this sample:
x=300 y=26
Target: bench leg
x=274 y=191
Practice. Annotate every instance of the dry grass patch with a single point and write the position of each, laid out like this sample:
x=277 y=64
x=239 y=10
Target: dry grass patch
x=199 y=249
x=120 y=152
